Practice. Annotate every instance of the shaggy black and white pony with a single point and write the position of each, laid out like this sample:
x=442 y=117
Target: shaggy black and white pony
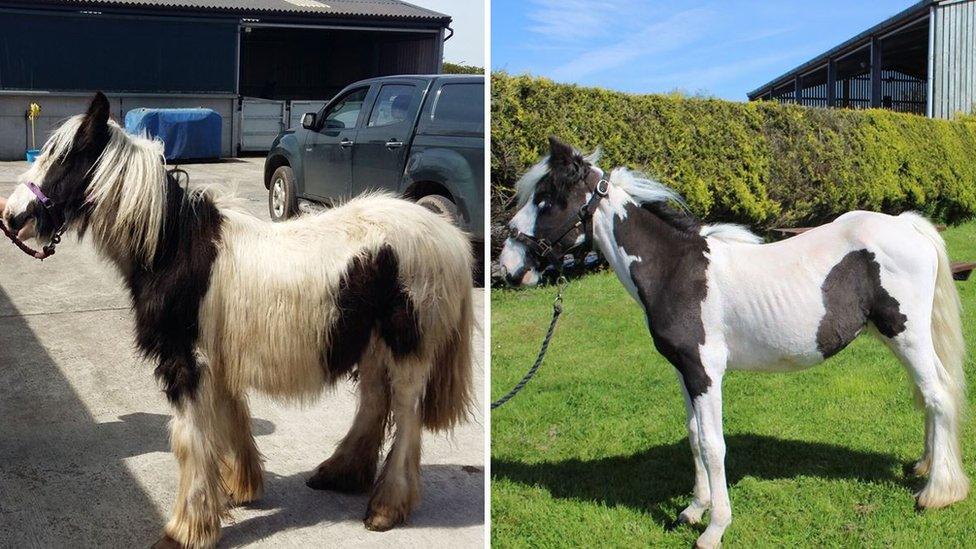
x=378 y=288
x=715 y=298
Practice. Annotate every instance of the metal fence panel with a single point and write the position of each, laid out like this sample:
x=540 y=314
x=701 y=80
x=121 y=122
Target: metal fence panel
x=261 y=121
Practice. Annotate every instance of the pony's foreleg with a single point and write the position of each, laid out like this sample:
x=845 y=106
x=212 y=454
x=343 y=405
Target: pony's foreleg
x=200 y=498
x=241 y=468
x=397 y=489
x=352 y=467
x=708 y=412
x=702 y=495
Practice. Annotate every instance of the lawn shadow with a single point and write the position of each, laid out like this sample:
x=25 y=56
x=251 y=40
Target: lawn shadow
x=648 y=481
x=453 y=497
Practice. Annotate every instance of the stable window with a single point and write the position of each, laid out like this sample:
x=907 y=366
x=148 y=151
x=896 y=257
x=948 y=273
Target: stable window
x=392 y=105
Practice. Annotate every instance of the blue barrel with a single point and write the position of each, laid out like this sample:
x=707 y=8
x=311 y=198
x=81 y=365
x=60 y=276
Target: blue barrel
x=188 y=134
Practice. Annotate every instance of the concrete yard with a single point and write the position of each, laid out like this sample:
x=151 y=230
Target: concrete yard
x=84 y=454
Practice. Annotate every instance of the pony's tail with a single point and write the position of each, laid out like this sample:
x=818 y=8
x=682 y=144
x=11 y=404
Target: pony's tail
x=950 y=348
x=448 y=398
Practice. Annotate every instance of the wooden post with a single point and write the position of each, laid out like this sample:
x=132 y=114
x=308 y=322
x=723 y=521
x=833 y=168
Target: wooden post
x=875 y=72
x=798 y=89
x=831 y=82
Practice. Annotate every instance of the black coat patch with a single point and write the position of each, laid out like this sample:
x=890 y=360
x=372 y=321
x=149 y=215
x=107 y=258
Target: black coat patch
x=371 y=298
x=671 y=283
x=167 y=296
x=852 y=296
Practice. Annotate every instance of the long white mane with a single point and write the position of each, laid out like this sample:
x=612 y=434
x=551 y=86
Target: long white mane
x=642 y=190
x=128 y=187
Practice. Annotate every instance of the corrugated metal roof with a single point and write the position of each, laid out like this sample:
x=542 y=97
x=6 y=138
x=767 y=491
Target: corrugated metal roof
x=915 y=10
x=395 y=9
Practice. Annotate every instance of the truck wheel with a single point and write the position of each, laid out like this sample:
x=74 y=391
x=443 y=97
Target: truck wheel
x=282 y=201
x=440 y=205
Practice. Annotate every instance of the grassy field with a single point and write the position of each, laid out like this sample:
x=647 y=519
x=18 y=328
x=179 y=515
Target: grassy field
x=594 y=452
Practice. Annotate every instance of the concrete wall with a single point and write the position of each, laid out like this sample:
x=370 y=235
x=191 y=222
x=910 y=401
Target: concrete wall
x=57 y=106
x=953 y=58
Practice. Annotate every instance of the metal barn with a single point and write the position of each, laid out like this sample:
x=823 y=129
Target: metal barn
x=255 y=62
x=922 y=60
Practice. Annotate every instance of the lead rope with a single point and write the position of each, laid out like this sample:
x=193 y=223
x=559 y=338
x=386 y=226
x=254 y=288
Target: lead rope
x=557 y=309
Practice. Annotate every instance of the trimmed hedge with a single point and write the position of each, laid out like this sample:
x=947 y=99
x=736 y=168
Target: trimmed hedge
x=760 y=163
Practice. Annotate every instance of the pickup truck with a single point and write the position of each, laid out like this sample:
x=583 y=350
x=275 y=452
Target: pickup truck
x=420 y=136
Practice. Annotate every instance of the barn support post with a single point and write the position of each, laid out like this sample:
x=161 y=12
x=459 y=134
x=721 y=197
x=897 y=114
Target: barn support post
x=930 y=73
x=798 y=89
x=875 y=72
x=831 y=82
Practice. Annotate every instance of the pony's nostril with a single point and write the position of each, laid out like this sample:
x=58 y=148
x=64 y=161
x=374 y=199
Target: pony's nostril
x=513 y=279
x=13 y=222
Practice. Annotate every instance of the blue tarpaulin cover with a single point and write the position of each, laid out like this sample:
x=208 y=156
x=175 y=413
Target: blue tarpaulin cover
x=187 y=133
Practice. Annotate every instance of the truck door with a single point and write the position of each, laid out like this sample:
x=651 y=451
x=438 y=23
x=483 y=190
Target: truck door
x=329 y=150
x=383 y=141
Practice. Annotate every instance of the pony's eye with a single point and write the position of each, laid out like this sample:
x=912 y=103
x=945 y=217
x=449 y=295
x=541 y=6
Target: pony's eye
x=542 y=206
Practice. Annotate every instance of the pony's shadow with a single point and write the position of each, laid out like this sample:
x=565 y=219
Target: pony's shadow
x=658 y=481
x=453 y=497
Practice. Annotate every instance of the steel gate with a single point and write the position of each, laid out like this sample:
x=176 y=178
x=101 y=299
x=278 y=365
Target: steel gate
x=261 y=122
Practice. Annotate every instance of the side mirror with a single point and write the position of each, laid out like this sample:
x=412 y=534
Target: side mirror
x=308 y=121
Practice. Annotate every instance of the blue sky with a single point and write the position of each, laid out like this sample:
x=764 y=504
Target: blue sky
x=723 y=48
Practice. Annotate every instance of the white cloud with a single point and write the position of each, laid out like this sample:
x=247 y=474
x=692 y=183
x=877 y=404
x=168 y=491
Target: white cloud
x=708 y=76
x=571 y=20
x=663 y=36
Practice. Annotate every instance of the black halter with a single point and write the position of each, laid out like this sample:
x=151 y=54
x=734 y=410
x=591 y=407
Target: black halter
x=544 y=249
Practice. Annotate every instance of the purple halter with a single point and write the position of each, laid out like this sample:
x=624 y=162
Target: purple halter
x=45 y=201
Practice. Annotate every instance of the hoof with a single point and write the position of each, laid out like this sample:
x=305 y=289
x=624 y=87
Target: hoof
x=324 y=479
x=167 y=542
x=242 y=495
x=379 y=521
x=918 y=469
x=707 y=544
x=678 y=522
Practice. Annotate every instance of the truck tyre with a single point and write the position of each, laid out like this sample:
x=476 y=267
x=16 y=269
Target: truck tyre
x=282 y=198
x=441 y=205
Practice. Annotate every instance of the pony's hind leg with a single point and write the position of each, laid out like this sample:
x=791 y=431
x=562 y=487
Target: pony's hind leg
x=397 y=489
x=200 y=498
x=922 y=467
x=942 y=461
x=701 y=497
x=352 y=467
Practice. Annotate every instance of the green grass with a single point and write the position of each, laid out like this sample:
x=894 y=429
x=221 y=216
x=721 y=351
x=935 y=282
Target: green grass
x=594 y=451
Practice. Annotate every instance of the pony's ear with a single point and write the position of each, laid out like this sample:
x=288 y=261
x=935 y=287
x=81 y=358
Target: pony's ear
x=94 y=128
x=559 y=151
x=566 y=165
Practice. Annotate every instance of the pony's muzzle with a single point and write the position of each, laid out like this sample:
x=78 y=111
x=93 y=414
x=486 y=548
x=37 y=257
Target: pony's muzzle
x=521 y=277
x=17 y=214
